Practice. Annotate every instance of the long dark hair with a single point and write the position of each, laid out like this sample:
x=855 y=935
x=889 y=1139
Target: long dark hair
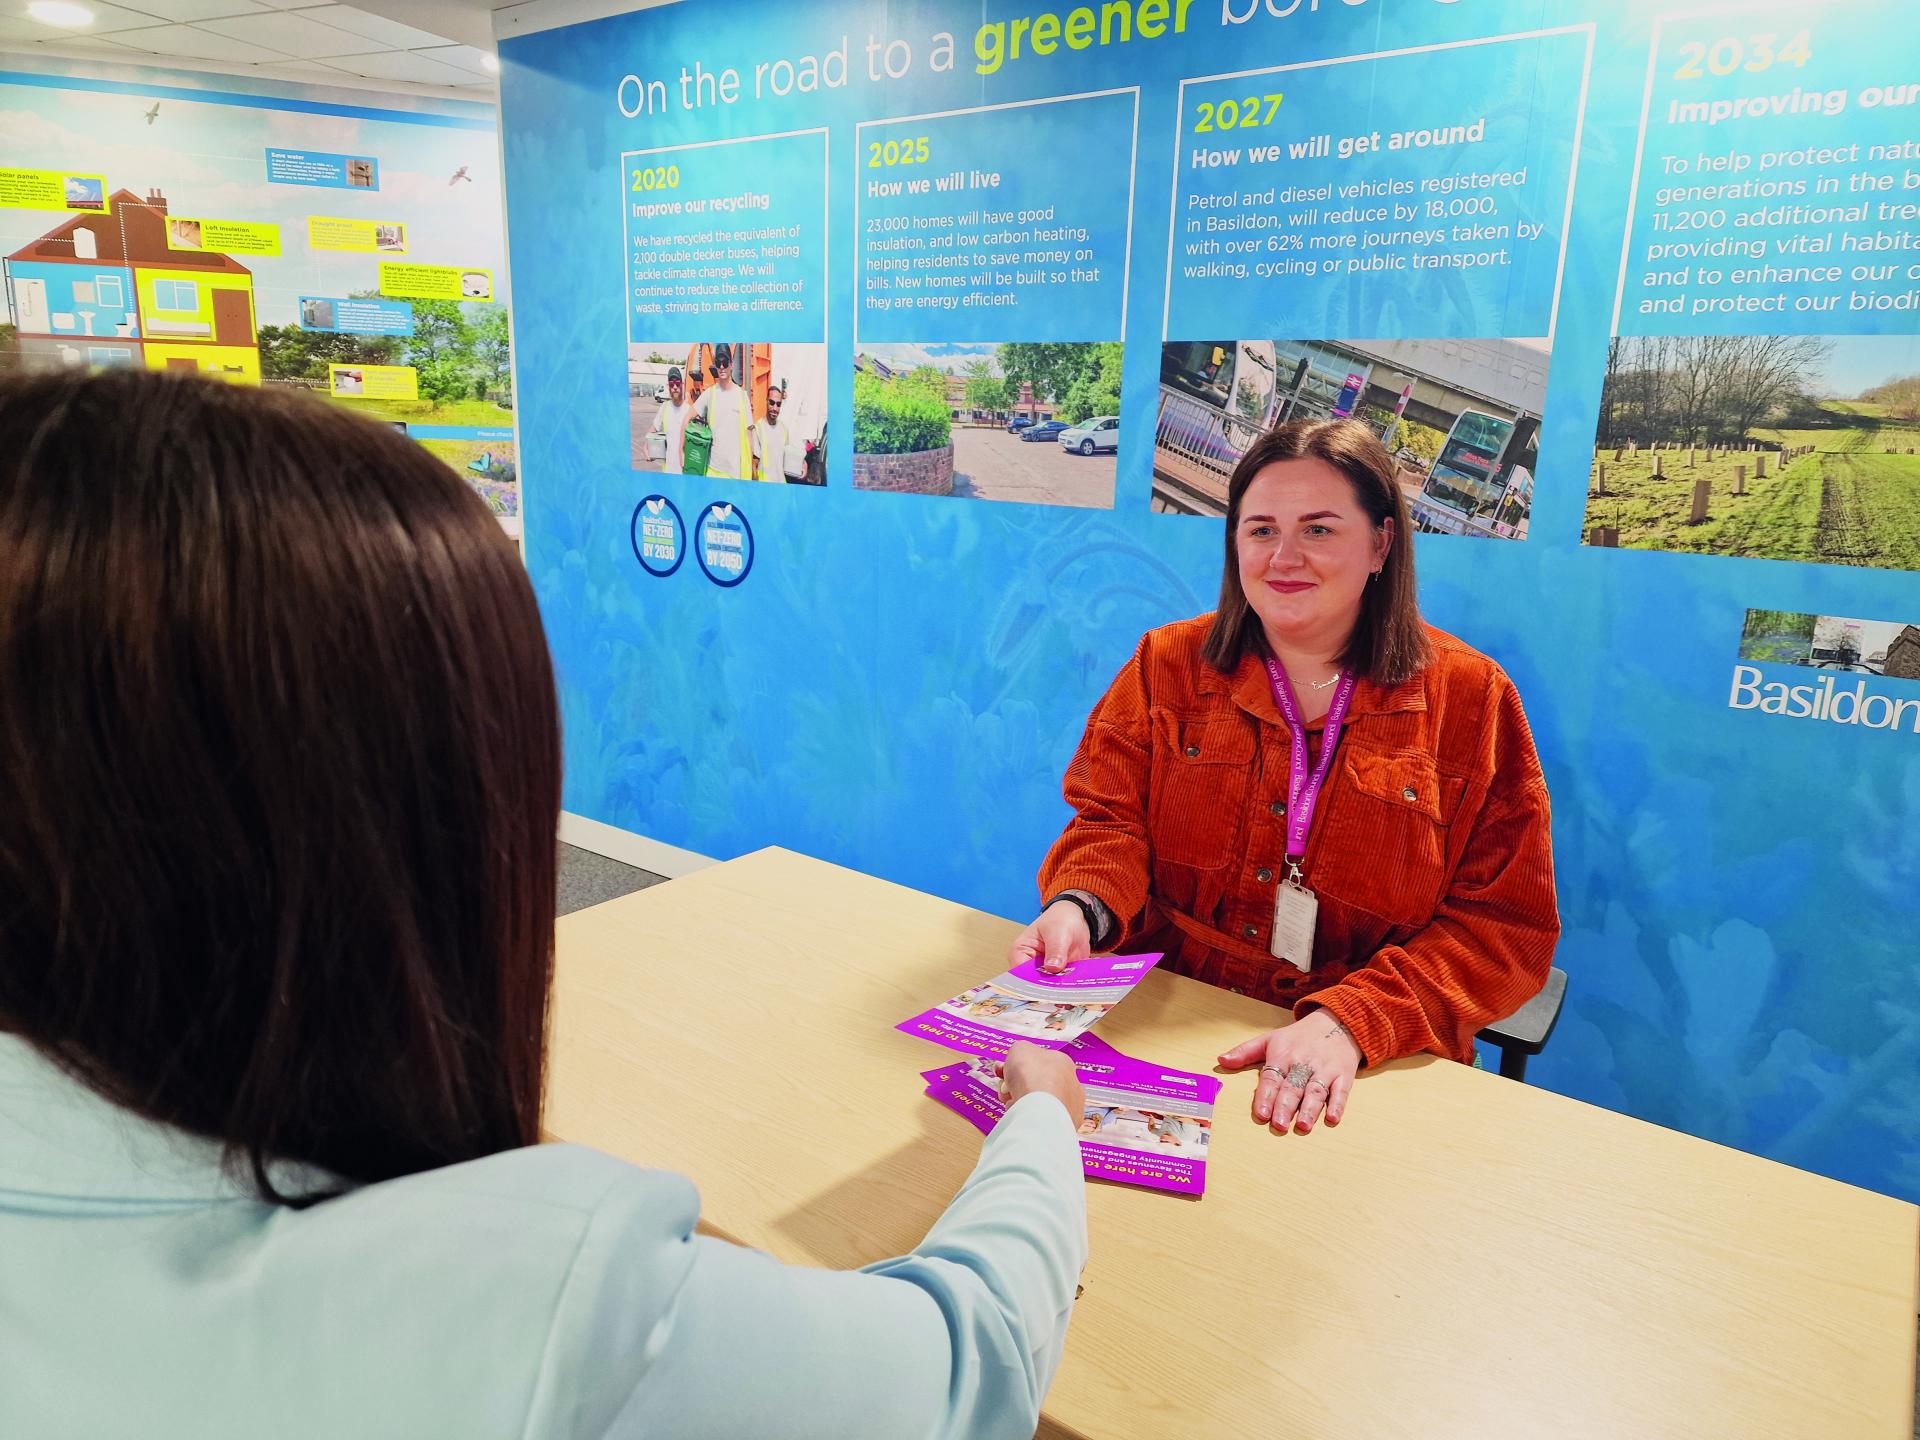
x=1389 y=642
x=279 y=776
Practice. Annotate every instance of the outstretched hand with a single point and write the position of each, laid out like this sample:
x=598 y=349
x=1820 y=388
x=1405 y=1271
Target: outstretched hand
x=1059 y=938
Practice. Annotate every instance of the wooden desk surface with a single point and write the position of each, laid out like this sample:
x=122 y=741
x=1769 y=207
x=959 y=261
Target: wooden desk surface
x=1464 y=1256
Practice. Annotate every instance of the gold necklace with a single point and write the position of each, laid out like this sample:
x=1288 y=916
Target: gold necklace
x=1323 y=684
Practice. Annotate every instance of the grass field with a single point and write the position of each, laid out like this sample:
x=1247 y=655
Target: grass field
x=1857 y=427
x=426 y=412
x=1854 y=499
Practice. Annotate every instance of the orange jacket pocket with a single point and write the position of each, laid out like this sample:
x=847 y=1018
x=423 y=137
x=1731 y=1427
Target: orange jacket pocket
x=1202 y=773
x=1383 y=843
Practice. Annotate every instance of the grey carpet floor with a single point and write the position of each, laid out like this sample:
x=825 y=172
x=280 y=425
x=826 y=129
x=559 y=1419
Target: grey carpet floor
x=587 y=879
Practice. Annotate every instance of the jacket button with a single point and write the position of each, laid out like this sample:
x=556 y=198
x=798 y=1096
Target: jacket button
x=1278 y=807
x=1193 y=752
x=1251 y=931
x=1409 y=793
x=1263 y=875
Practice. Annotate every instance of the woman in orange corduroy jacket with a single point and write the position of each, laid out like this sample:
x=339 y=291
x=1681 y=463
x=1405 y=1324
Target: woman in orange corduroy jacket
x=1397 y=906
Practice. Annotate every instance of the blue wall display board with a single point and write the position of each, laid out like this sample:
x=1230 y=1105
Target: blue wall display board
x=993 y=295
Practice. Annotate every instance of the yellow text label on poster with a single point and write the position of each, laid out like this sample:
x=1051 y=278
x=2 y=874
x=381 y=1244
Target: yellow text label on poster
x=434 y=282
x=335 y=232
x=53 y=190
x=223 y=237
x=373 y=382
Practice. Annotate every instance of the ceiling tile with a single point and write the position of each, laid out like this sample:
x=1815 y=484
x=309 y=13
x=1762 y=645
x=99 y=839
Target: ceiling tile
x=290 y=34
x=312 y=72
x=401 y=65
x=12 y=29
x=192 y=43
x=385 y=33
x=464 y=57
x=178 y=10
x=90 y=45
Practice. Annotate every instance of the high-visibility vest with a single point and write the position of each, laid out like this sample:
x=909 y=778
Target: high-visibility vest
x=744 y=465
x=773 y=436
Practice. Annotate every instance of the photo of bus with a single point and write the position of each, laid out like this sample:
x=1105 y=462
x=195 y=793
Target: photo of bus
x=1481 y=482
x=1460 y=417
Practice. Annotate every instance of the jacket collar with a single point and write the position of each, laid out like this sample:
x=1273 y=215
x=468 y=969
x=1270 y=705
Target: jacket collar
x=1249 y=688
x=59 y=1138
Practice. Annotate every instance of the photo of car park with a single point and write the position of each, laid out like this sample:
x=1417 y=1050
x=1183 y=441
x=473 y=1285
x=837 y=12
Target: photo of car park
x=1035 y=423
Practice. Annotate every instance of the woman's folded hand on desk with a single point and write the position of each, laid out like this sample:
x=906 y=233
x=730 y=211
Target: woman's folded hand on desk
x=1305 y=1068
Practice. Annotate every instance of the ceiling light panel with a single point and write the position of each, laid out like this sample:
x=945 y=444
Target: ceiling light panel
x=61 y=14
x=106 y=20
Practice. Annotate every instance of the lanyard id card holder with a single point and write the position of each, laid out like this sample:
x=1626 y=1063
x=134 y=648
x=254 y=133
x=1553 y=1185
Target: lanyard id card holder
x=1296 y=912
x=1296 y=909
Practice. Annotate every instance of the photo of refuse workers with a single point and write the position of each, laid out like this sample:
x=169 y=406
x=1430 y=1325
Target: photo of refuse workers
x=730 y=410
x=1461 y=419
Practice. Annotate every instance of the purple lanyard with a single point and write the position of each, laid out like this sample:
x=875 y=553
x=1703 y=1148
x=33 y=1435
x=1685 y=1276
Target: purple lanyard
x=1303 y=791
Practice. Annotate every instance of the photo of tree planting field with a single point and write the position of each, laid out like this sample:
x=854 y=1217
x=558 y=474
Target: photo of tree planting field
x=1773 y=447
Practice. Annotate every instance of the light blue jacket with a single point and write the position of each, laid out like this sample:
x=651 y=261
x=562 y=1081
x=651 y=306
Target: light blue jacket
x=552 y=1292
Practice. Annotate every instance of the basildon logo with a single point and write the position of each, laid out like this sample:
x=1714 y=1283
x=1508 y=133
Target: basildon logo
x=1859 y=665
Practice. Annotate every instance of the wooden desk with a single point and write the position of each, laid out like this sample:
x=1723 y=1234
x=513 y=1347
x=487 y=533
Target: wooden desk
x=1464 y=1256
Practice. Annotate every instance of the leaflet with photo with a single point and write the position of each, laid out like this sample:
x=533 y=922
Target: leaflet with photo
x=1026 y=1003
x=1144 y=1124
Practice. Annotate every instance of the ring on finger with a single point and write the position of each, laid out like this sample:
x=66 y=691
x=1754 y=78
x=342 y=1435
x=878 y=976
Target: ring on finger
x=1273 y=1070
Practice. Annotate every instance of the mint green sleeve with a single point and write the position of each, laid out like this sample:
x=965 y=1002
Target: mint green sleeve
x=662 y=1332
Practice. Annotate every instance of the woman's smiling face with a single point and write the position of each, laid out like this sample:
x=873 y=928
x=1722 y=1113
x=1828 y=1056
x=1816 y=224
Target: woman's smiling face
x=1305 y=550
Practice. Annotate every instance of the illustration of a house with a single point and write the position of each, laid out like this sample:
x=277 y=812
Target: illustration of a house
x=106 y=290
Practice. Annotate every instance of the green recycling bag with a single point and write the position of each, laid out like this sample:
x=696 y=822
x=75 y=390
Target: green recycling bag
x=696 y=447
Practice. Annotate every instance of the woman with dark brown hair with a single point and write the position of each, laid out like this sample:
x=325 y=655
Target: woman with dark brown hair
x=279 y=781
x=1312 y=796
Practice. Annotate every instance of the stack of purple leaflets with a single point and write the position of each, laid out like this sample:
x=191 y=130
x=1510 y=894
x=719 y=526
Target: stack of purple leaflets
x=1144 y=1124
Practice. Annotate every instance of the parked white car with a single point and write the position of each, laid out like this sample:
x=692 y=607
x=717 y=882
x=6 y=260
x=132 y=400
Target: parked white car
x=1102 y=432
